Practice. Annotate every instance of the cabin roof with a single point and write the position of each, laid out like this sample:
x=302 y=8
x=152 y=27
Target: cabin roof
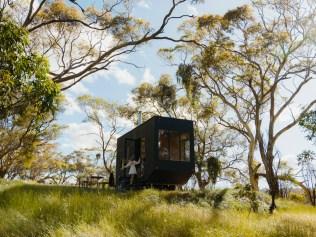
x=149 y=120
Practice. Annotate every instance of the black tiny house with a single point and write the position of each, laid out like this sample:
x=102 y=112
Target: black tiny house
x=165 y=147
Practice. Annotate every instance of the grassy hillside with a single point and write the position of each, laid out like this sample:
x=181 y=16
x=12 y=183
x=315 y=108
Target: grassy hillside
x=38 y=210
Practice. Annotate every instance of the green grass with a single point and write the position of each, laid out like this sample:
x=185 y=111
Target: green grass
x=38 y=210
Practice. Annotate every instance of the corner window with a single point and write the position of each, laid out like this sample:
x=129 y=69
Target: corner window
x=142 y=156
x=142 y=149
x=174 y=146
x=185 y=147
x=163 y=145
x=130 y=149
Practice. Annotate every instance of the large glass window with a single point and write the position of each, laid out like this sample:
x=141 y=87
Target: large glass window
x=142 y=155
x=185 y=147
x=142 y=149
x=174 y=146
x=130 y=149
x=163 y=145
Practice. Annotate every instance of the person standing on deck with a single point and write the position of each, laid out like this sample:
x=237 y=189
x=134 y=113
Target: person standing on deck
x=132 y=170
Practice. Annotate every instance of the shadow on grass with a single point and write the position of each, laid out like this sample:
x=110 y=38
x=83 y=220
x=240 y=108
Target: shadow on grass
x=213 y=198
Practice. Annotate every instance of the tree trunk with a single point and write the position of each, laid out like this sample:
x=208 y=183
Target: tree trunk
x=253 y=177
x=273 y=205
x=202 y=184
x=198 y=173
x=272 y=180
x=274 y=190
x=104 y=159
x=267 y=158
x=2 y=174
x=309 y=193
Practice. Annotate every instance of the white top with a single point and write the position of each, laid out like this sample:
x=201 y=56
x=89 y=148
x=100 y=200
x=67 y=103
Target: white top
x=132 y=164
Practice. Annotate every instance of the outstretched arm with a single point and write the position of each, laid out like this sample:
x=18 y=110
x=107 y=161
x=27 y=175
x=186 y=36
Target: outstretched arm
x=127 y=165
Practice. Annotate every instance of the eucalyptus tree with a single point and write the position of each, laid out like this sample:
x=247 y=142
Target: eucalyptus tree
x=106 y=118
x=307 y=163
x=28 y=98
x=216 y=151
x=80 y=41
x=50 y=166
x=307 y=159
x=257 y=64
x=308 y=123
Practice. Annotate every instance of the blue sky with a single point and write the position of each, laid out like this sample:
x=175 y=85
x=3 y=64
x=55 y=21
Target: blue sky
x=116 y=84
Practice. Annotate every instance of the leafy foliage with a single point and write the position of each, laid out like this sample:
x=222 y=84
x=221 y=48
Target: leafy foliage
x=246 y=59
x=50 y=167
x=24 y=76
x=247 y=192
x=29 y=100
x=308 y=123
x=307 y=163
x=82 y=40
x=105 y=117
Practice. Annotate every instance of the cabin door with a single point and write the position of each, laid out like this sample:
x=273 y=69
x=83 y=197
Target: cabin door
x=132 y=151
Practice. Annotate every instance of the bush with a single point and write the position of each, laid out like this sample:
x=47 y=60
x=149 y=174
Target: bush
x=297 y=197
x=219 y=199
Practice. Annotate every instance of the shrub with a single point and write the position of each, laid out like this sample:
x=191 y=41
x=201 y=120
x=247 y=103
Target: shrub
x=297 y=197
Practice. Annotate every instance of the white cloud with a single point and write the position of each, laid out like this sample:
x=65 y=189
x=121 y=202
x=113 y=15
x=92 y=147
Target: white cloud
x=79 y=136
x=126 y=124
x=83 y=135
x=148 y=76
x=96 y=76
x=71 y=106
x=129 y=99
x=123 y=76
x=79 y=89
x=192 y=10
x=143 y=4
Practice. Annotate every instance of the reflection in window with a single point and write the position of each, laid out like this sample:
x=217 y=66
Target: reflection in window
x=163 y=145
x=130 y=149
x=185 y=147
x=142 y=149
x=142 y=155
x=174 y=146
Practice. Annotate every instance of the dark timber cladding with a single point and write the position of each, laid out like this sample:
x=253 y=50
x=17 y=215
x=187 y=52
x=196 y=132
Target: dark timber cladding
x=165 y=148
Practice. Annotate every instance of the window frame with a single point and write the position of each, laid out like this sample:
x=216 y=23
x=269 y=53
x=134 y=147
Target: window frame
x=181 y=145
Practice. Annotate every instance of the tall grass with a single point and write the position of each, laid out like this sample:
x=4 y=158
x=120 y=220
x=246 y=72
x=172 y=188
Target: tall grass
x=38 y=210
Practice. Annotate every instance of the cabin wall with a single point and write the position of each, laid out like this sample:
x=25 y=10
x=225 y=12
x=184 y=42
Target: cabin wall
x=166 y=171
x=146 y=130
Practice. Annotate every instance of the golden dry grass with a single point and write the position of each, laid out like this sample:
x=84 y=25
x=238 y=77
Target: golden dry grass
x=38 y=210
